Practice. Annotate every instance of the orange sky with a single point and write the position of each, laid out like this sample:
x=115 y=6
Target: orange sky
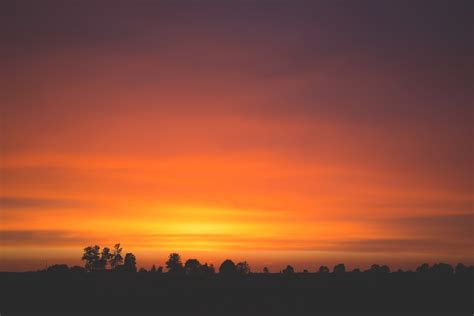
x=272 y=146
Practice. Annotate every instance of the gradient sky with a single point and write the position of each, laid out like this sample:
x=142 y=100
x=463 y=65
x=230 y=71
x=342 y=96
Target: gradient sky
x=277 y=132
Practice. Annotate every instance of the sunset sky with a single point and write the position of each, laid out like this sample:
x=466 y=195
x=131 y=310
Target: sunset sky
x=277 y=132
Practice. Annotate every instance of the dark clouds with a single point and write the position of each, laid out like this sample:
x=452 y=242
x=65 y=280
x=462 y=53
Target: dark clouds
x=370 y=62
x=448 y=227
x=40 y=238
x=18 y=203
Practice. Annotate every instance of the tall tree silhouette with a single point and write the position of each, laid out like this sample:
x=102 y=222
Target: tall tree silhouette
x=130 y=263
x=105 y=256
x=91 y=257
x=116 y=258
x=174 y=263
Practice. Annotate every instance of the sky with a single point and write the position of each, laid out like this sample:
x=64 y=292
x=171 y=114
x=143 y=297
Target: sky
x=277 y=132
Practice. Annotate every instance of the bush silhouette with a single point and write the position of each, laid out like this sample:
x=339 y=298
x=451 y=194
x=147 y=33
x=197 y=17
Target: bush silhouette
x=77 y=269
x=58 y=268
x=375 y=268
x=461 y=269
x=424 y=268
x=442 y=269
x=192 y=266
x=339 y=268
x=243 y=268
x=207 y=269
x=288 y=270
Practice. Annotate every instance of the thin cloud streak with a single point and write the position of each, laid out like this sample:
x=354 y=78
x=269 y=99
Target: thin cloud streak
x=20 y=203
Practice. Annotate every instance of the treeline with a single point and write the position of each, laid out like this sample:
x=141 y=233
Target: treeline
x=96 y=260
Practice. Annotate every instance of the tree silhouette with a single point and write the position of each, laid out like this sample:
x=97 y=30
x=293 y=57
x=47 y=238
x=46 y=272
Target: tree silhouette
x=442 y=269
x=424 y=268
x=192 y=266
x=98 y=260
x=227 y=267
x=77 y=269
x=58 y=268
x=130 y=263
x=374 y=288
x=207 y=269
x=288 y=270
x=461 y=269
x=339 y=268
x=374 y=268
x=116 y=258
x=243 y=268
x=174 y=264
x=91 y=257
x=105 y=256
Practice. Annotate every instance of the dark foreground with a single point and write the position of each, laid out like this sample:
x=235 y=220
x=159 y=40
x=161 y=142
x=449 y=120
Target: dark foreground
x=255 y=294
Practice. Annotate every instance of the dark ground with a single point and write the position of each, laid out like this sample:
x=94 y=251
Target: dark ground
x=110 y=293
